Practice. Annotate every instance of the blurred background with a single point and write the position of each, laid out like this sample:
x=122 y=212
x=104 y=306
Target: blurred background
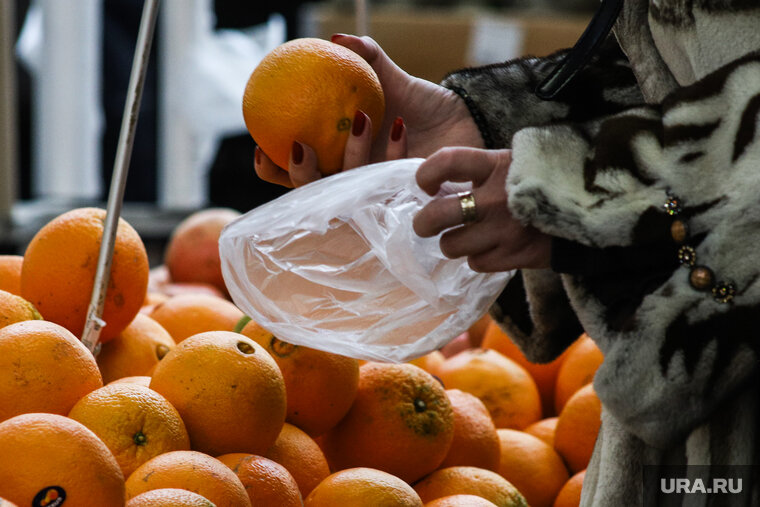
x=65 y=64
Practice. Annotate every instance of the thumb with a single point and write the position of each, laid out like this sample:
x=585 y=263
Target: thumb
x=370 y=50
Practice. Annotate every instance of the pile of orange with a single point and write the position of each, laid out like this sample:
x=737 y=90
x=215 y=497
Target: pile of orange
x=203 y=406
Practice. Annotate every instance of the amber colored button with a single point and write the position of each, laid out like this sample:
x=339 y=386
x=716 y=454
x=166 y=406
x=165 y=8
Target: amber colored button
x=701 y=278
x=679 y=231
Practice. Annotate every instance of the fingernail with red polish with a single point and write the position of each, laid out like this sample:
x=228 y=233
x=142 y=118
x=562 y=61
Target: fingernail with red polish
x=336 y=36
x=397 y=129
x=257 y=155
x=360 y=119
x=296 y=153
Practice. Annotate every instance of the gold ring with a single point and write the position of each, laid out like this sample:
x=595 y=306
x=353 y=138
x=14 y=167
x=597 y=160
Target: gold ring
x=467 y=204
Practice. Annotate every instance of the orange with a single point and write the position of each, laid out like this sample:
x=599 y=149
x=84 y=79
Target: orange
x=475 y=442
x=506 y=389
x=267 y=483
x=308 y=90
x=578 y=427
x=14 y=308
x=470 y=481
x=401 y=422
x=477 y=331
x=43 y=368
x=228 y=391
x=169 y=497
x=320 y=386
x=460 y=501
x=10 y=274
x=532 y=466
x=136 y=351
x=188 y=314
x=570 y=494
x=59 y=271
x=430 y=362
x=142 y=380
x=51 y=455
x=359 y=487
x=192 y=253
x=545 y=375
x=582 y=359
x=193 y=471
x=136 y=423
x=301 y=456
x=544 y=429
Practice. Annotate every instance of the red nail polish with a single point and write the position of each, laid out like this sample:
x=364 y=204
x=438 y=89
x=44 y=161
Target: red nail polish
x=397 y=129
x=257 y=155
x=360 y=119
x=296 y=153
x=336 y=36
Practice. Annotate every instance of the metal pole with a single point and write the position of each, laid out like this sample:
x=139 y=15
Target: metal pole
x=362 y=17
x=8 y=147
x=94 y=323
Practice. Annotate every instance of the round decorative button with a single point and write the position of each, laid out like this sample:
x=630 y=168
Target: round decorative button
x=724 y=292
x=701 y=278
x=672 y=206
x=687 y=255
x=679 y=231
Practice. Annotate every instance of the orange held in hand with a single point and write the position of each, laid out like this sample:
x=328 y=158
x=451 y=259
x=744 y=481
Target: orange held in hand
x=308 y=90
x=59 y=272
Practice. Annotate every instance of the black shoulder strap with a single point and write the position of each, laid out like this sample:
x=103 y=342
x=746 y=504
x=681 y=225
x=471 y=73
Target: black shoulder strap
x=593 y=36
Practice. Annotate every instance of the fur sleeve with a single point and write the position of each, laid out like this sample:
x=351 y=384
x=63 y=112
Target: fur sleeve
x=684 y=340
x=534 y=309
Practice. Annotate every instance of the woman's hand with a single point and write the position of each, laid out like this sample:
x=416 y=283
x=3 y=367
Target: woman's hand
x=494 y=241
x=420 y=117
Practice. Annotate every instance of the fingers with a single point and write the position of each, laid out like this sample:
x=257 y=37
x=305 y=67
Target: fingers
x=438 y=215
x=302 y=166
x=462 y=241
x=359 y=143
x=269 y=171
x=397 y=142
x=457 y=164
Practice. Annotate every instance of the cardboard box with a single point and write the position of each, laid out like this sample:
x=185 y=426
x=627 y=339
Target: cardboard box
x=429 y=43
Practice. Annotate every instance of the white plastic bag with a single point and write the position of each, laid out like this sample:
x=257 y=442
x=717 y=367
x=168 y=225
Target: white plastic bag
x=335 y=265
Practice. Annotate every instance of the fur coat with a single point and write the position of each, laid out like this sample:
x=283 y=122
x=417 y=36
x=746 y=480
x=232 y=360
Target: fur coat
x=646 y=172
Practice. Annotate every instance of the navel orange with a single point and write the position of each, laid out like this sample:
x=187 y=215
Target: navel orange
x=460 y=501
x=43 y=368
x=188 y=314
x=582 y=359
x=363 y=486
x=475 y=442
x=570 y=494
x=470 y=481
x=544 y=429
x=532 y=466
x=190 y=470
x=135 y=423
x=228 y=391
x=136 y=351
x=59 y=267
x=192 y=253
x=10 y=274
x=401 y=422
x=301 y=456
x=169 y=497
x=52 y=456
x=308 y=90
x=544 y=374
x=505 y=387
x=267 y=483
x=577 y=428
x=14 y=309
x=320 y=386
